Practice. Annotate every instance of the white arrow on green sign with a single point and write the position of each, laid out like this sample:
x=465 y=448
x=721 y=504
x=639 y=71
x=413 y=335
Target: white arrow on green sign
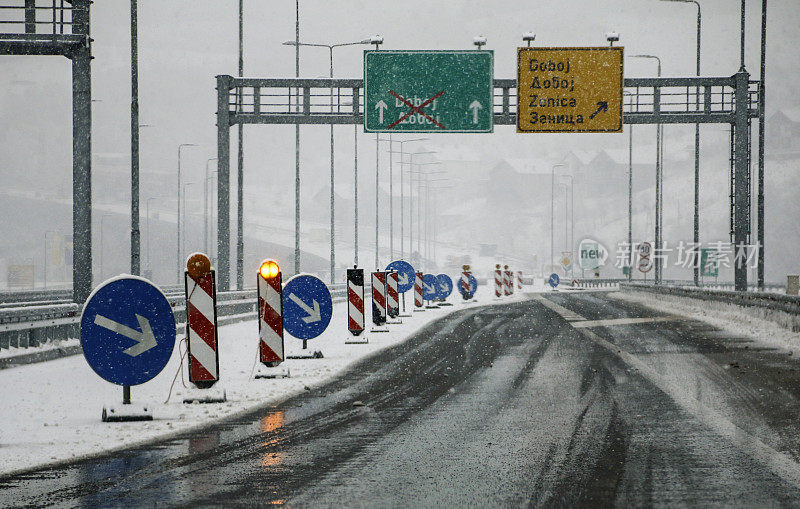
x=428 y=91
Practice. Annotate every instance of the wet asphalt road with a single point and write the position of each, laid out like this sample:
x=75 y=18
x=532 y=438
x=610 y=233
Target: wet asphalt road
x=531 y=403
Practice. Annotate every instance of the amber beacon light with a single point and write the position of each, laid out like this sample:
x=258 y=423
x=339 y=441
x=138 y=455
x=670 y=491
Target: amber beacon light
x=269 y=269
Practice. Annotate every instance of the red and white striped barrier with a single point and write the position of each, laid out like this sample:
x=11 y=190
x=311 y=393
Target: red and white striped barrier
x=392 y=299
x=201 y=329
x=418 y=289
x=519 y=280
x=465 y=284
x=379 y=298
x=506 y=291
x=498 y=283
x=511 y=282
x=270 y=320
x=355 y=301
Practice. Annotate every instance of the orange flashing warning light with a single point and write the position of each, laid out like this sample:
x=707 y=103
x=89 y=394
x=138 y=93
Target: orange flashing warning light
x=269 y=269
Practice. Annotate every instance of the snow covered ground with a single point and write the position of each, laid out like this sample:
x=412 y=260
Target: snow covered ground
x=51 y=410
x=728 y=317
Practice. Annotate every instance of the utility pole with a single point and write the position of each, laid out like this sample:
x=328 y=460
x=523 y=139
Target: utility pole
x=761 y=133
x=240 y=165
x=135 y=232
x=297 y=143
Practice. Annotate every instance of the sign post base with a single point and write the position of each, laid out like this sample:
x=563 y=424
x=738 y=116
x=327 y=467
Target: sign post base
x=127 y=413
x=215 y=395
x=272 y=372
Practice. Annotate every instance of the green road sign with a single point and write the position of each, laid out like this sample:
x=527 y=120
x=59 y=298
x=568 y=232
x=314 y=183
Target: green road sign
x=709 y=264
x=428 y=91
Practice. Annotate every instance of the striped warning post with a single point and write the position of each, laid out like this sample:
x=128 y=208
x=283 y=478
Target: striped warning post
x=506 y=275
x=511 y=282
x=498 y=283
x=418 y=289
x=201 y=329
x=355 y=301
x=270 y=320
x=519 y=279
x=392 y=300
x=379 y=298
x=465 y=284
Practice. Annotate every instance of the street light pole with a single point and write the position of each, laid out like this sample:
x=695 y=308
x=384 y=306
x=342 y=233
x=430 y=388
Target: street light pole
x=630 y=198
x=297 y=144
x=761 y=133
x=569 y=242
x=402 y=192
x=147 y=214
x=411 y=198
x=102 y=223
x=332 y=204
x=183 y=245
x=659 y=155
x=552 y=209
x=178 y=265
x=240 y=165
x=696 y=149
x=135 y=232
x=205 y=207
x=355 y=193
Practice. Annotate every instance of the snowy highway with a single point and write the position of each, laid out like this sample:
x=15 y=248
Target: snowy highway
x=560 y=399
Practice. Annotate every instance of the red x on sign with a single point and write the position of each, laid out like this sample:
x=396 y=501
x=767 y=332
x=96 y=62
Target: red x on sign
x=416 y=109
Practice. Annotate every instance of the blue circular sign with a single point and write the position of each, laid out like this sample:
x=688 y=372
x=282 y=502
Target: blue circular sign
x=307 y=306
x=127 y=331
x=429 y=287
x=444 y=286
x=405 y=275
x=472 y=286
x=553 y=280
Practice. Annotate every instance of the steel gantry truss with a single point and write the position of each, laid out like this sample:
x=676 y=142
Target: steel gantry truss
x=61 y=27
x=730 y=100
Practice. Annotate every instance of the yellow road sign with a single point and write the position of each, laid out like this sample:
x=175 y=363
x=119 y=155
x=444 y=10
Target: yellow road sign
x=569 y=90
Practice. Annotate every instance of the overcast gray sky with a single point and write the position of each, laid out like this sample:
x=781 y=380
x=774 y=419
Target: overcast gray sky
x=185 y=43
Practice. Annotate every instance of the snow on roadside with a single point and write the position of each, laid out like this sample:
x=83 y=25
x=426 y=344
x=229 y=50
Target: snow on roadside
x=52 y=409
x=728 y=317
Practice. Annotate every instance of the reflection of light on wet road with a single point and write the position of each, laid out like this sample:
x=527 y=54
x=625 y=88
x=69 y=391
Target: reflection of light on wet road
x=270 y=426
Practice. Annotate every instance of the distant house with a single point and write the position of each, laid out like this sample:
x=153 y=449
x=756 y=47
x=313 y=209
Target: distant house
x=783 y=134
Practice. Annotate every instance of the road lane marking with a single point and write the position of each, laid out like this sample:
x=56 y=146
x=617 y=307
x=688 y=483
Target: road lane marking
x=565 y=313
x=780 y=463
x=623 y=321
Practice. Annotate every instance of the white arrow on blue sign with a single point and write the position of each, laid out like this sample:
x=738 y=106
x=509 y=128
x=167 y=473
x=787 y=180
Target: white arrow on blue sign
x=554 y=280
x=307 y=306
x=127 y=330
x=429 y=287
x=405 y=275
x=444 y=286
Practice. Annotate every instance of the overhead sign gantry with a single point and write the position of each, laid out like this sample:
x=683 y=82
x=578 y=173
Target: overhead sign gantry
x=732 y=100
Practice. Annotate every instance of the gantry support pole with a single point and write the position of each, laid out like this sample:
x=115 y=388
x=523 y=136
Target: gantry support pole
x=741 y=192
x=223 y=182
x=81 y=156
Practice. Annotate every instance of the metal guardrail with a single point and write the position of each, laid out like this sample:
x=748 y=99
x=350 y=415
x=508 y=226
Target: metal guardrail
x=775 y=301
x=679 y=283
x=28 y=326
